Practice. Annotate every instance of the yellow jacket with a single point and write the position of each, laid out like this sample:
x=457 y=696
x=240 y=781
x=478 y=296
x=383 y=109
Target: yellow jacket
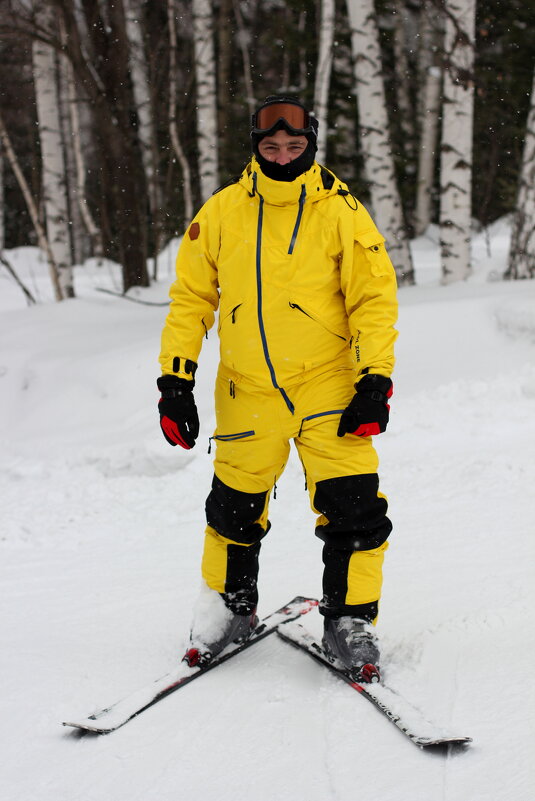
x=301 y=278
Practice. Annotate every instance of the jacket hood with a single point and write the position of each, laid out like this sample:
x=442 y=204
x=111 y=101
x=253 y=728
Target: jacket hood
x=318 y=183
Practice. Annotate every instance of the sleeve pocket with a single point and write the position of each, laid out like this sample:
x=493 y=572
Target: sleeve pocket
x=373 y=244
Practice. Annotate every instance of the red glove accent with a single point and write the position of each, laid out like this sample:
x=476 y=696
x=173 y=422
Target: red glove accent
x=170 y=428
x=367 y=430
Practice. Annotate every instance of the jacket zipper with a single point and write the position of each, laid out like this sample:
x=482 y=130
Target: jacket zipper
x=302 y=198
x=263 y=337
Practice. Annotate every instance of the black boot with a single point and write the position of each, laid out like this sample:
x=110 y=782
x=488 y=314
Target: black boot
x=352 y=641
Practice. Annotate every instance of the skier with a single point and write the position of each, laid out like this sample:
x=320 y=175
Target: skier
x=306 y=295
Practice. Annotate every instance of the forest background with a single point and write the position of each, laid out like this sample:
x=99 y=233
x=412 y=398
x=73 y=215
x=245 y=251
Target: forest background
x=118 y=118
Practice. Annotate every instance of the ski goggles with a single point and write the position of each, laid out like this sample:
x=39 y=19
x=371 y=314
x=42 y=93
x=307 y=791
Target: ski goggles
x=293 y=117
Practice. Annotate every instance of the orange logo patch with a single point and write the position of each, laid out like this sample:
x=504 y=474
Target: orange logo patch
x=194 y=230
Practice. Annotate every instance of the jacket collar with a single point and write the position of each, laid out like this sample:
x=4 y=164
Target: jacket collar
x=285 y=193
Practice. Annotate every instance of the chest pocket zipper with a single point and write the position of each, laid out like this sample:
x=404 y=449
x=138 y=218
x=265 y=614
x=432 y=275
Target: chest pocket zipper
x=316 y=320
x=231 y=314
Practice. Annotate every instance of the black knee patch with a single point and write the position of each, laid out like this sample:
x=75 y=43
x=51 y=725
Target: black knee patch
x=233 y=513
x=356 y=516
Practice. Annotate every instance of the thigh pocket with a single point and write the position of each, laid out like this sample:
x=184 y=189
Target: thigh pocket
x=309 y=417
x=230 y=437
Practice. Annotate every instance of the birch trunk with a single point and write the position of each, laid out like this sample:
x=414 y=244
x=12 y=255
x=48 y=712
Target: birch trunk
x=80 y=243
x=323 y=74
x=301 y=53
x=79 y=189
x=374 y=135
x=173 y=128
x=344 y=115
x=53 y=166
x=427 y=153
x=142 y=98
x=403 y=77
x=225 y=46
x=243 y=42
x=206 y=96
x=107 y=83
x=521 y=262
x=429 y=81
x=2 y=203
x=32 y=209
x=456 y=145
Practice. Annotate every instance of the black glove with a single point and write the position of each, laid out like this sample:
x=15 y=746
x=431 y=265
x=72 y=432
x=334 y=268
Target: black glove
x=179 y=420
x=368 y=411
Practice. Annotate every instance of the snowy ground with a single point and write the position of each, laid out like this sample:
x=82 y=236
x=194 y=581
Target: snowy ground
x=101 y=534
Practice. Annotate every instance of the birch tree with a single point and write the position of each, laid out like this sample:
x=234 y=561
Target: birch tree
x=79 y=187
x=53 y=165
x=344 y=118
x=75 y=228
x=206 y=94
x=141 y=89
x=173 y=127
x=429 y=79
x=323 y=74
x=427 y=152
x=244 y=36
x=374 y=135
x=456 y=145
x=403 y=76
x=104 y=74
x=521 y=263
x=2 y=203
x=32 y=209
x=224 y=76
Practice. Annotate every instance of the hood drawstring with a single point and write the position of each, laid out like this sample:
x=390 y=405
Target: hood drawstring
x=345 y=193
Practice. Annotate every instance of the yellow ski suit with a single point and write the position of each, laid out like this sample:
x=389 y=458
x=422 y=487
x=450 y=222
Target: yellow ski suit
x=306 y=295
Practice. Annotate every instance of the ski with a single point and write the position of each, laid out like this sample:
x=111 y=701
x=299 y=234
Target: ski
x=391 y=704
x=116 y=715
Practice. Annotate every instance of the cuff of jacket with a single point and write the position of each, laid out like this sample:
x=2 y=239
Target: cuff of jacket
x=184 y=368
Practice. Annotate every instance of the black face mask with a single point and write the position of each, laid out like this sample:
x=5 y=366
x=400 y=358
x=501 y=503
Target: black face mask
x=287 y=172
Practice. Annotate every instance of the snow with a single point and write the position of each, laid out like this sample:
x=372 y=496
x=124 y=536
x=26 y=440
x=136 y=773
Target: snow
x=101 y=537
x=210 y=618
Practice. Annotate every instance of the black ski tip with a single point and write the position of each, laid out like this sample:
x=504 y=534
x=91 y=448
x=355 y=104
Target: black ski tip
x=445 y=743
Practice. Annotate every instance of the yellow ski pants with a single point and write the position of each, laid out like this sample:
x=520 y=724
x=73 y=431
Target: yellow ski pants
x=254 y=429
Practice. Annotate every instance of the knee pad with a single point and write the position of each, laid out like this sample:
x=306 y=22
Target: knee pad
x=354 y=513
x=235 y=514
